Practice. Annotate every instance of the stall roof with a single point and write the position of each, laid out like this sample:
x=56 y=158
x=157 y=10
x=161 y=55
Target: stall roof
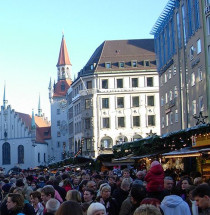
x=185 y=152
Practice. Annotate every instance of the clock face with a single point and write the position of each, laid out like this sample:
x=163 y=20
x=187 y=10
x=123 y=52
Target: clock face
x=63 y=127
x=63 y=104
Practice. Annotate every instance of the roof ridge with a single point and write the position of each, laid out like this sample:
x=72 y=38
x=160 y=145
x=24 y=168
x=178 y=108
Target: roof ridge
x=101 y=54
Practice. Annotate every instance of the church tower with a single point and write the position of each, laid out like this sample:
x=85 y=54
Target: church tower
x=58 y=100
x=64 y=65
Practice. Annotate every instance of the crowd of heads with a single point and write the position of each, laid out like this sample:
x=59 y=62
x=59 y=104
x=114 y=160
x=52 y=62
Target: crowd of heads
x=113 y=192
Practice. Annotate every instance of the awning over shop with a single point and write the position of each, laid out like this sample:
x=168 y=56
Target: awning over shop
x=117 y=163
x=144 y=156
x=186 y=152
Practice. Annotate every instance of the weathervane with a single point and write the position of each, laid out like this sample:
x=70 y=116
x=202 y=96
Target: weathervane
x=200 y=118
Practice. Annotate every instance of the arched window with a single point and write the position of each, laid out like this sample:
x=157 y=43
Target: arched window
x=6 y=156
x=106 y=143
x=38 y=157
x=137 y=137
x=20 y=154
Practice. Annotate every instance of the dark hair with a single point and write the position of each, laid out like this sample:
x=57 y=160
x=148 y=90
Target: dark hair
x=138 y=192
x=69 y=208
x=90 y=191
x=48 y=190
x=36 y=194
x=201 y=190
x=18 y=199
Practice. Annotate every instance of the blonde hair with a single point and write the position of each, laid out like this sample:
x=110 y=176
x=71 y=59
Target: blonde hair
x=73 y=195
x=147 y=210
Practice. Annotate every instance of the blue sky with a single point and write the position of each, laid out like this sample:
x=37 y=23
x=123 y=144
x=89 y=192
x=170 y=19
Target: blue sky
x=31 y=33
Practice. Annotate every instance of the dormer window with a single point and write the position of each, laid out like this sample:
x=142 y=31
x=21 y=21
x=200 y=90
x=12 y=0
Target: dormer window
x=121 y=64
x=91 y=66
x=134 y=63
x=146 y=63
x=108 y=65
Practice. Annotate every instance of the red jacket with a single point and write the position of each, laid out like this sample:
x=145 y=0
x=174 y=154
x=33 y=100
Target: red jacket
x=155 y=179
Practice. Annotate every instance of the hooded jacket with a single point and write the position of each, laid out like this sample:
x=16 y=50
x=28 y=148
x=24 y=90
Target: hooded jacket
x=174 y=205
x=155 y=179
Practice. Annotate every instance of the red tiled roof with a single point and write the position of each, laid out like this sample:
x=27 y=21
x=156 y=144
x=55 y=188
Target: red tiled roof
x=57 y=90
x=63 y=58
x=43 y=127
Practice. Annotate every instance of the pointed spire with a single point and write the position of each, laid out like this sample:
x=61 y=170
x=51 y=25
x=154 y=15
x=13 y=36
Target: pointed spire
x=4 y=97
x=39 y=108
x=33 y=124
x=63 y=58
x=33 y=129
x=50 y=84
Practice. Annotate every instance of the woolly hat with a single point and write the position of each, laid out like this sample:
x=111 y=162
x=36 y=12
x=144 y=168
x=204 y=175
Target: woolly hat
x=154 y=163
x=94 y=207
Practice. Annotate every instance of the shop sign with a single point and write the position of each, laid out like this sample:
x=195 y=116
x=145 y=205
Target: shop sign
x=201 y=140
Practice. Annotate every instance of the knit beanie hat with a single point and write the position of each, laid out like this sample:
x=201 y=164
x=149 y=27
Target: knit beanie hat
x=154 y=163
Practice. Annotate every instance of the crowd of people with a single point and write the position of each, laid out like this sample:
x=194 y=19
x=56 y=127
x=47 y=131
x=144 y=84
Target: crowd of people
x=152 y=192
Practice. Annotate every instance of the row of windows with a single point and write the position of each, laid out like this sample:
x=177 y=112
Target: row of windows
x=121 y=121
x=167 y=75
x=122 y=64
x=134 y=83
x=169 y=96
x=6 y=154
x=120 y=102
x=199 y=76
x=170 y=119
x=200 y=105
x=186 y=20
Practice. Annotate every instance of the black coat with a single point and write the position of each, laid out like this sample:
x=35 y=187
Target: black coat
x=110 y=204
x=120 y=195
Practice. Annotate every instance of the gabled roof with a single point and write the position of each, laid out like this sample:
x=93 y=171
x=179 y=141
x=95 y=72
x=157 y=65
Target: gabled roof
x=115 y=51
x=63 y=58
x=43 y=127
x=58 y=92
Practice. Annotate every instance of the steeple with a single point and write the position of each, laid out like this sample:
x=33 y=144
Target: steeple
x=33 y=129
x=4 y=98
x=64 y=65
x=50 y=88
x=39 y=108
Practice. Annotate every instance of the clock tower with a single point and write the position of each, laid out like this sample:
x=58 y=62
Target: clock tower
x=59 y=149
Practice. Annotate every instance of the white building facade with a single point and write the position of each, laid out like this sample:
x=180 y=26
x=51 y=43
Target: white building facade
x=115 y=98
x=24 y=139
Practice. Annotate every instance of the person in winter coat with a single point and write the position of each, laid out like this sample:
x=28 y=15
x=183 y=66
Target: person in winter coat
x=105 y=198
x=155 y=181
x=121 y=193
x=174 y=205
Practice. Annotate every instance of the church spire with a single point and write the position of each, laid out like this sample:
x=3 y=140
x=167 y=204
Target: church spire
x=4 y=98
x=63 y=58
x=33 y=129
x=64 y=65
x=39 y=108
